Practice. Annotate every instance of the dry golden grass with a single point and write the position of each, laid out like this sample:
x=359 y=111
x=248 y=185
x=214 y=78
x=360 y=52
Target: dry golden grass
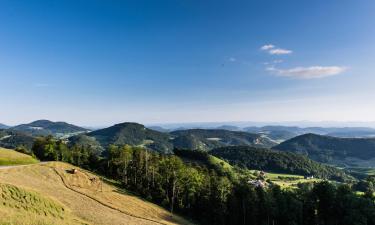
x=84 y=197
x=11 y=157
x=19 y=206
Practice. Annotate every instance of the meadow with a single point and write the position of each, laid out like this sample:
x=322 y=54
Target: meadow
x=10 y=157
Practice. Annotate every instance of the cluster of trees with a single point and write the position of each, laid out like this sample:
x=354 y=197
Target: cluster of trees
x=366 y=185
x=208 y=197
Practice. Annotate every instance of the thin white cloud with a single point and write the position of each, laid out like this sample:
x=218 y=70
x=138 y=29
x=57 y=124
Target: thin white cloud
x=232 y=59
x=311 y=72
x=280 y=51
x=267 y=47
x=271 y=49
x=278 y=61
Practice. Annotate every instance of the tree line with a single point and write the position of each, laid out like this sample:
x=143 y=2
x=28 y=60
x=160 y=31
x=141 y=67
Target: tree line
x=207 y=197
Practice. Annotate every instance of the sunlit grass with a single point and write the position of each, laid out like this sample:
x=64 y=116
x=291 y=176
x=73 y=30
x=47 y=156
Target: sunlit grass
x=19 y=206
x=11 y=157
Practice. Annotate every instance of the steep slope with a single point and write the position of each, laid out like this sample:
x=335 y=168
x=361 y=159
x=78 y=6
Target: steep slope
x=46 y=127
x=207 y=139
x=14 y=139
x=331 y=149
x=133 y=134
x=277 y=161
x=26 y=207
x=82 y=195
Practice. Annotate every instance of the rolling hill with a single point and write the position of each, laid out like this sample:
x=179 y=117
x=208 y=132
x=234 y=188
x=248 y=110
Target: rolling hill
x=133 y=134
x=48 y=194
x=195 y=139
x=13 y=139
x=342 y=151
x=277 y=161
x=46 y=127
x=207 y=139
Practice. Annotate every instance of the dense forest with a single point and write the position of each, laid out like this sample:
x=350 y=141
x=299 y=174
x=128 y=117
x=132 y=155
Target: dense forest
x=208 y=197
x=278 y=161
x=326 y=148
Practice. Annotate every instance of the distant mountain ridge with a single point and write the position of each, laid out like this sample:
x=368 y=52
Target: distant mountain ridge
x=349 y=151
x=3 y=126
x=286 y=132
x=207 y=139
x=46 y=127
x=279 y=133
x=194 y=139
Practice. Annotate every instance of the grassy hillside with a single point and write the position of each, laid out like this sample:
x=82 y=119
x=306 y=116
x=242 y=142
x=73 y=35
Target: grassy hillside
x=21 y=206
x=77 y=197
x=277 y=161
x=331 y=149
x=11 y=157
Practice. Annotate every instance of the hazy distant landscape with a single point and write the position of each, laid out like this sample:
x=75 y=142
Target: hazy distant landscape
x=172 y=168
x=187 y=112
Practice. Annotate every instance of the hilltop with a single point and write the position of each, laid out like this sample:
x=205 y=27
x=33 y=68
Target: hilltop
x=132 y=134
x=343 y=151
x=46 y=127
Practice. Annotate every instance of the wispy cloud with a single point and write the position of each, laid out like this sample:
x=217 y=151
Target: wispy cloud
x=311 y=72
x=232 y=59
x=280 y=51
x=271 y=49
x=267 y=47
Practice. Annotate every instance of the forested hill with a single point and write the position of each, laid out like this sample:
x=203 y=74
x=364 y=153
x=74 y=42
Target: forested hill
x=277 y=161
x=330 y=149
x=195 y=139
x=46 y=127
x=133 y=134
x=207 y=139
x=15 y=139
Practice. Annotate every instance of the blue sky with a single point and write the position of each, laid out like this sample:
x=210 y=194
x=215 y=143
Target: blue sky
x=103 y=62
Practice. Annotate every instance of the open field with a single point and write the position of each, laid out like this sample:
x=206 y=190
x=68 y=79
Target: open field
x=363 y=170
x=83 y=196
x=287 y=180
x=11 y=157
